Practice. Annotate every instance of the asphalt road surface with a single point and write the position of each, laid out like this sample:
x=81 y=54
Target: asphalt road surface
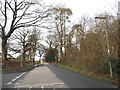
x=49 y=76
x=42 y=77
x=10 y=80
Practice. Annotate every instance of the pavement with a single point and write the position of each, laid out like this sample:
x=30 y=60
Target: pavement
x=50 y=76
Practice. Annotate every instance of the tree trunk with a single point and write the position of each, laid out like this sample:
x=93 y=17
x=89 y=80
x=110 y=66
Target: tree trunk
x=118 y=30
x=23 y=54
x=82 y=47
x=61 y=52
x=118 y=42
x=4 y=48
x=33 y=57
x=119 y=39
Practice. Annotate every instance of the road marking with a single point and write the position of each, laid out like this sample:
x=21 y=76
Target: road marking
x=30 y=88
x=16 y=78
x=60 y=86
x=13 y=80
x=52 y=85
x=16 y=83
x=42 y=86
x=9 y=83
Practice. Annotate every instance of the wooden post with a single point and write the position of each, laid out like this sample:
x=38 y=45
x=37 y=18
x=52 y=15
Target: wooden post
x=119 y=40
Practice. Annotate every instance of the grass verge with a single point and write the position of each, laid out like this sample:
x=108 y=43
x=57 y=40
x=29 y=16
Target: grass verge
x=102 y=77
x=14 y=64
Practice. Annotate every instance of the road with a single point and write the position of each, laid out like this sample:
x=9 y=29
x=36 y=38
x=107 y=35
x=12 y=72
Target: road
x=42 y=77
x=49 y=76
x=10 y=80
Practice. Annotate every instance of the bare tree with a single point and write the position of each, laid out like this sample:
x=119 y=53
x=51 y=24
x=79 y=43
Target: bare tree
x=20 y=38
x=61 y=17
x=16 y=14
x=33 y=39
x=41 y=49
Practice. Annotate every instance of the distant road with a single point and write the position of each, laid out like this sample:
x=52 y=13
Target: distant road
x=49 y=76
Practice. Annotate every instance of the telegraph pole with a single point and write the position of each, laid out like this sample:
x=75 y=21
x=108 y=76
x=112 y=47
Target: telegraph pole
x=21 y=57
x=118 y=42
x=108 y=47
x=119 y=30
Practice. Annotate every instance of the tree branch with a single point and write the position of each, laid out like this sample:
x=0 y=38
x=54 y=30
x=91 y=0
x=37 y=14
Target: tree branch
x=5 y=16
x=21 y=16
x=10 y=6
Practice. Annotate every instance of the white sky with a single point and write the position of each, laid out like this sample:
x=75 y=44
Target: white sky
x=86 y=7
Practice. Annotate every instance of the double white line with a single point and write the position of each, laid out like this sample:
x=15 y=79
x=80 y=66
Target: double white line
x=16 y=78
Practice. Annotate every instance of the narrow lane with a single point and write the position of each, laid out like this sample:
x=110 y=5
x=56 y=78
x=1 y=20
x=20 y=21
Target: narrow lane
x=49 y=76
x=41 y=77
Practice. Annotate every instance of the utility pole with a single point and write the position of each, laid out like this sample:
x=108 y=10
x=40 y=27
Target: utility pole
x=119 y=41
x=119 y=30
x=21 y=57
x=108 y=47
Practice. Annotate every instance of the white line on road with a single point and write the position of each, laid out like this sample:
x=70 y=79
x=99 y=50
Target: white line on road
x=60 y=86
x=16 y=83
x=16 y=78
x=13 y=80
x=30 y=88
x=46 y=84
x=42 y=86
x=9 y=83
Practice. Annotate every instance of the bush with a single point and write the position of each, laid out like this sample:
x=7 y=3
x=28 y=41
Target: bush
x=51 y=55
x=117 y=67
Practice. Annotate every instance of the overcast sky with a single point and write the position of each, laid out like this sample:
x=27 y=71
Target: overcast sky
x=87 y=7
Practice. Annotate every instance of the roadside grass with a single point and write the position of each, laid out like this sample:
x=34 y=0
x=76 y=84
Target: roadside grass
x=103 y=77
x=67 y=67
x=37 y=62
x=13 y=64
x=30 y=64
